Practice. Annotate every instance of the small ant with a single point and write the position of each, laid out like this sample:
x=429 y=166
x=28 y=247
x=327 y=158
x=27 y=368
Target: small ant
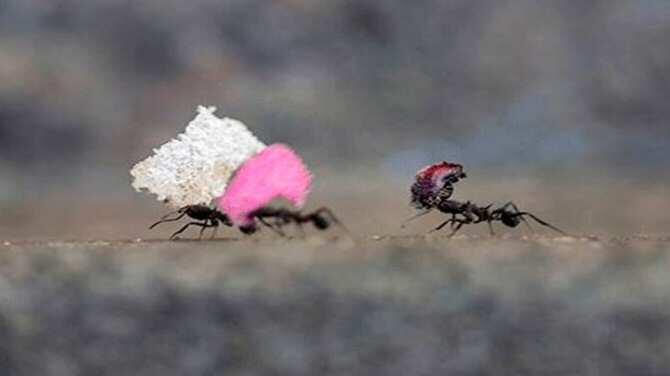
x=211 y=218
x=434 y=185
x=321 y=218
x=509 y=214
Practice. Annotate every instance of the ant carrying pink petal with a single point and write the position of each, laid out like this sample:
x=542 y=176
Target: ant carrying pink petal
x=432 y=188
x=198 y=166
x=275 y=172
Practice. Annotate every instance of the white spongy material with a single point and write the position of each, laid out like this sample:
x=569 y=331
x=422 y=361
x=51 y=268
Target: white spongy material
x=195 y=167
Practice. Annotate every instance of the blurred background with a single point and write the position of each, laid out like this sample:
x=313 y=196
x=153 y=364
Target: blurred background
x=560 y=106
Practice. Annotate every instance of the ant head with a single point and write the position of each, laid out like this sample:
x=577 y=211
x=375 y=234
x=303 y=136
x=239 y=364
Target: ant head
x=248 y=229
x=509 y=219
x=320 y=221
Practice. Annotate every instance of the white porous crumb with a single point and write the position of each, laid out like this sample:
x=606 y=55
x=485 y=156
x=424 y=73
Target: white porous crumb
x=195 y=167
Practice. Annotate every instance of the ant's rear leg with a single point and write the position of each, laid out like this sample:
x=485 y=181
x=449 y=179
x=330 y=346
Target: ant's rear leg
x=203 y=225
x=454 y=222
x=491 y=227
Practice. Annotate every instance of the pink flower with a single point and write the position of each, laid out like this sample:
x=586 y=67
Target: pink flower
x=275 y=172
x=434 y=183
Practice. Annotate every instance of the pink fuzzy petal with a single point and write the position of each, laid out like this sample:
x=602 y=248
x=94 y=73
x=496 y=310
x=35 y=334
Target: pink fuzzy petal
x=275 y=172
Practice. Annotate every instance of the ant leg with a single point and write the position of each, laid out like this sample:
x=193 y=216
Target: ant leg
x=166 y=219
x=277 y=230
x=301 y=229
x=453 y=221
x=216 y=229
x=543 y=223
x=458 y=222
x=491 y=227
x=441 y=225
x=458 y=227
x=203 y=225
x=414 y=217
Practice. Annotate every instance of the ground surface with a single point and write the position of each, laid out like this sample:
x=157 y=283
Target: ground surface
x=333 y=305
x=386 y=301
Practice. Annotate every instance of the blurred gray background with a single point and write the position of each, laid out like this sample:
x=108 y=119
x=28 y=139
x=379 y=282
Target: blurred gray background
x=560 y=105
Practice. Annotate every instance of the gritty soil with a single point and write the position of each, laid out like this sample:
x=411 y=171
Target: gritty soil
x=335 y=305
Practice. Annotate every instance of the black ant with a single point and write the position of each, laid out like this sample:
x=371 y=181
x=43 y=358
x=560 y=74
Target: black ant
x=465 y=213
x=321 y=218
x=211 y=218
x=432 y=188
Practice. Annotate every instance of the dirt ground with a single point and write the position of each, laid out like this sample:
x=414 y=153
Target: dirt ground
x=382 y=300
x=412 y=305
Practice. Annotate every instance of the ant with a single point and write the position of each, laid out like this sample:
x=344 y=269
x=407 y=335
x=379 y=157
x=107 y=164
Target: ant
x=211 y=218
x=321 y=218
x=434 y=185
x=509 y=214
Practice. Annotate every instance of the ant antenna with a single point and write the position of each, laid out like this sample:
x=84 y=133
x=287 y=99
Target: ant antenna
x=414 y=217
x=166 y=218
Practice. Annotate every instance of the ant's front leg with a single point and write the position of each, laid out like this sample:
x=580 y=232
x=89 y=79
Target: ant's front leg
x=441 y=225
x=301 y=229
x=213 y=223
x=272 y=227
x=454 y=221
x=202 y=229
x=203 y=225
x=458 y=227
x=216 y=229
x=455 y=224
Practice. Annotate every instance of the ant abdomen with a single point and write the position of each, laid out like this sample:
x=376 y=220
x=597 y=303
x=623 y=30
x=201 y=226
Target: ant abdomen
x=509 y=220
x=249 y=229
x=320 y=222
